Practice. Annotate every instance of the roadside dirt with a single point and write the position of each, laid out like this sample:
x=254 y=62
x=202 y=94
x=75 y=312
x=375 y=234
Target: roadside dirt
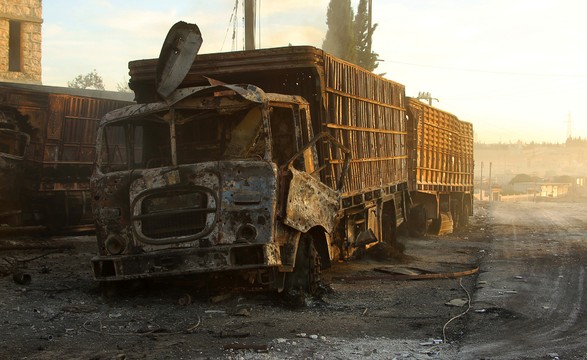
x=531 y=301
x=363 y=313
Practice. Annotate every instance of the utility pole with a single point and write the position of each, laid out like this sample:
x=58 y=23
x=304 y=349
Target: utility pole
x=481 y=187
x=426 y=96
x=250 y=6
x=569 y=127
x=489 y=183
x=369 y=29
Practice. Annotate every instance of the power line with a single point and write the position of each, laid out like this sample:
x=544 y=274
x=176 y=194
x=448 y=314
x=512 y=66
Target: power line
x=232 y=17
x=488 y=71
x=521 y=92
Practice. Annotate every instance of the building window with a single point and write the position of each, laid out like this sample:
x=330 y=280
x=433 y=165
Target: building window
x=14 y=46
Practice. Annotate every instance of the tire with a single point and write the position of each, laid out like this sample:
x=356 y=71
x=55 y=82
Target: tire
x=418 y=222
x=464 y=220
x=435 y=226
x=457 y=214
x=305 y=277
x=388 y=223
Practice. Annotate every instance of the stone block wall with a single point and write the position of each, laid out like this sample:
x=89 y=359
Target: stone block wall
x=29 y=14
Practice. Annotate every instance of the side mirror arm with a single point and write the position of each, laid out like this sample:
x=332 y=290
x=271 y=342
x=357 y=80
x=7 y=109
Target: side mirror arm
x=326 y=136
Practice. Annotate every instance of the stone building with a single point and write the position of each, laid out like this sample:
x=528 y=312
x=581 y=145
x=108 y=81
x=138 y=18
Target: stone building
x=20 y=41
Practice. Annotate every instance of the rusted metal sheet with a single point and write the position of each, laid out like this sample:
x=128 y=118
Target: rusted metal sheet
x=55 y=118
x=177 y=54
x=61 y=124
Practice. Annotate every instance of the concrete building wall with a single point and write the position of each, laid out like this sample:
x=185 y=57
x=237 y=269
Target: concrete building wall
x=28 y=15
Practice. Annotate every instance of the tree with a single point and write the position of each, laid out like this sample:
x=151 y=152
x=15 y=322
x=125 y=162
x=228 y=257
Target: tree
x=123 y=87
x=363 y=30
x=565 y=179
x=524 y=178
x=340 y=40
x=89 y=81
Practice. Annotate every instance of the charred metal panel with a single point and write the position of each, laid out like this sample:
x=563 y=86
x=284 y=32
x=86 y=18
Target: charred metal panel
x=174 y=205
x=238 y=232
x=186 y=261
x=248 y=201
x=245 y=194
x=201 y=97
x=111 y=210
x=310 y=203
x=177 y=54
x=204 y=204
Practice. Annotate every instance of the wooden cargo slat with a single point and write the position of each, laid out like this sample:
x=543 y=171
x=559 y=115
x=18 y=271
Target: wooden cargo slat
x=363 y=111
x=442 y=157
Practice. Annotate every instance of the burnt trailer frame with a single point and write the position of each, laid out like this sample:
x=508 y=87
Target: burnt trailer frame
x=55 y=171
x=441 y=168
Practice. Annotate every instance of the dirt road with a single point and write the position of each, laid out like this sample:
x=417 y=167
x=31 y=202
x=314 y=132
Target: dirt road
x=528 y=301
x=531 y=300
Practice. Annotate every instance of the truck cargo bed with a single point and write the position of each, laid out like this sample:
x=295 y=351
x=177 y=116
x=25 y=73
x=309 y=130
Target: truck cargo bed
x=441 y=150
x=363 y=111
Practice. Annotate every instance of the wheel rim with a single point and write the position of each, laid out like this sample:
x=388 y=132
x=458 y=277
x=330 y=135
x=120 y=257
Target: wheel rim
x=306 y=274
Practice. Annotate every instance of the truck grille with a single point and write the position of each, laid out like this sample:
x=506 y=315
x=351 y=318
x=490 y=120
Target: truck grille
x=166 y=216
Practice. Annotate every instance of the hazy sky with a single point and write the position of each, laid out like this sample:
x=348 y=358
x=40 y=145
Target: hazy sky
x=516 y=69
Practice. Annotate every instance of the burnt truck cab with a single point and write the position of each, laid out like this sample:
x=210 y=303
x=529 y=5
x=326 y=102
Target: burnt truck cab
x=213 y=179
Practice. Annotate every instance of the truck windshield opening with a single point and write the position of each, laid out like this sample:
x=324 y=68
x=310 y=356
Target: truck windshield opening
x=12 y=143
x=201 y=135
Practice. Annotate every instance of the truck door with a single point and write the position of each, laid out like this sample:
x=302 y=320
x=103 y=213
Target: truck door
x=309 y=202
x=285 y=140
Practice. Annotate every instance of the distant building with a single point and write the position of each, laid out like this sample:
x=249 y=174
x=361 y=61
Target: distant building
x=547 y=190
x=20 y=41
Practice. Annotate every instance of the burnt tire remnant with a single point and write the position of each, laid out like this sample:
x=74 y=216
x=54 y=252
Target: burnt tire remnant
x=305 y=278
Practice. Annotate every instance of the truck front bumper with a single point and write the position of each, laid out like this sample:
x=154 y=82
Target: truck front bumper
x=186 y=261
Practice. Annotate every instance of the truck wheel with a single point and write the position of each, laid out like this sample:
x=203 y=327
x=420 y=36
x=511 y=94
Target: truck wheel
x=306 y=275
x=418 y=223
x=465 y=217
x=456 y=210
x=435 y=226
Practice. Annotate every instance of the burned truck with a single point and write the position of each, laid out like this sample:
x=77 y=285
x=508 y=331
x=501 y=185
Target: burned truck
x=440 y=165
x=49 y=137
x=268 y=165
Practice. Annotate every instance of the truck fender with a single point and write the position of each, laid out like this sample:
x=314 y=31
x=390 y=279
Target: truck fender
x=310 y=203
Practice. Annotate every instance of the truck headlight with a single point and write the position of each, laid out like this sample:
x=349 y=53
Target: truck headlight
x=246 y=233
x=115 y=244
